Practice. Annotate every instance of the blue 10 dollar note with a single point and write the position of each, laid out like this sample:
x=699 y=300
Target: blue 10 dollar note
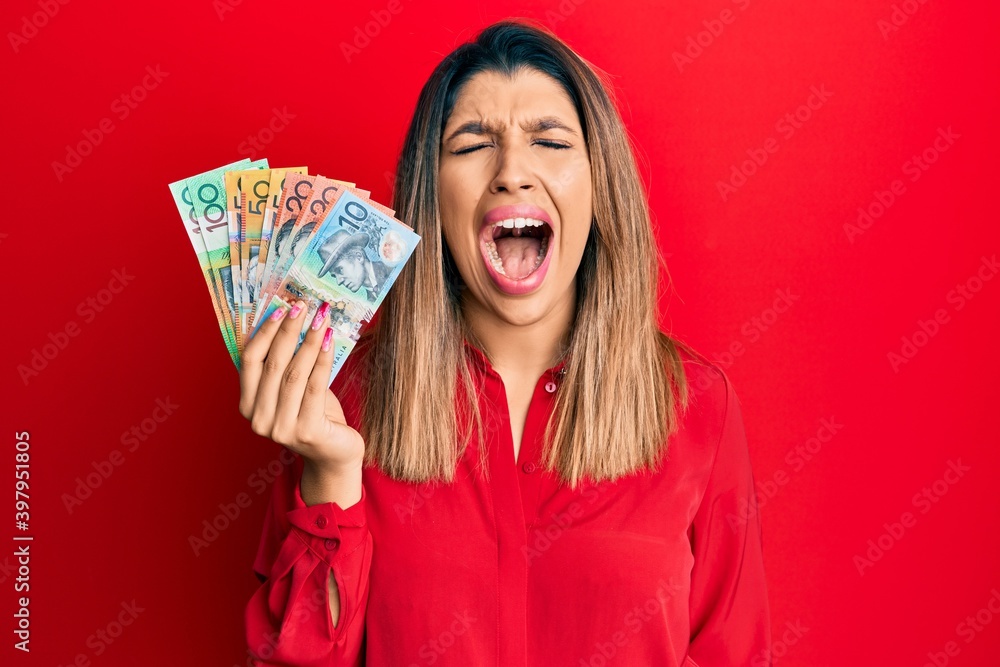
x=351 y=261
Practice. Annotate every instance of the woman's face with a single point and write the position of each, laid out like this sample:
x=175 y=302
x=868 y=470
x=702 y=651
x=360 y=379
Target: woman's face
x=516 y=194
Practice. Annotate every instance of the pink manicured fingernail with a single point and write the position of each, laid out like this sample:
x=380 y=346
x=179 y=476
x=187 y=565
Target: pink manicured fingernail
x=327 y=339
x=296 y=309
x=320 y=315
x=278 y=314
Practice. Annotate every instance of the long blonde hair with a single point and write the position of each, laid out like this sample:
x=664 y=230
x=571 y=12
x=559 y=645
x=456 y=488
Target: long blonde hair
x=624 y=383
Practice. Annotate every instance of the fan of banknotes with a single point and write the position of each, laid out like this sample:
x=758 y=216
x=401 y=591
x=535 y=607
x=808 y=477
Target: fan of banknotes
x=266 y=237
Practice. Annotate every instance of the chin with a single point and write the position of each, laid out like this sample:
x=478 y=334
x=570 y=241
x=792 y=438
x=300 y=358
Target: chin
x=527 y=309
x=523 y=315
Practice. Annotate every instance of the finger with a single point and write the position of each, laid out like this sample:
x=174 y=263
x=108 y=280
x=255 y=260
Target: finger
x=318 y=386
x=293 y=384
x=279 y=354
x=252 y=359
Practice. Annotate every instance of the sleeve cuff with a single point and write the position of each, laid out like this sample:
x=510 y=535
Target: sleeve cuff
x=332 y=529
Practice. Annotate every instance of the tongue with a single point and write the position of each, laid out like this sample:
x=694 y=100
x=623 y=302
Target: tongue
x=519 y=255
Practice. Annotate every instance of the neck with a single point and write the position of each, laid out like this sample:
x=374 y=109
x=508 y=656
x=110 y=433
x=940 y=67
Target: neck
x=521 y=348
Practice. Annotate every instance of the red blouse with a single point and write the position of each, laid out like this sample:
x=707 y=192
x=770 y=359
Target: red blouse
x=659 y=569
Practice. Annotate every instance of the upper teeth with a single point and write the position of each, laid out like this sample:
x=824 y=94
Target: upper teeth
x=518 y=223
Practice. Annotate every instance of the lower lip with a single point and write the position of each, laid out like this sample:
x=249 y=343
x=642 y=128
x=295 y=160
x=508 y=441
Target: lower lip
x=525 y=285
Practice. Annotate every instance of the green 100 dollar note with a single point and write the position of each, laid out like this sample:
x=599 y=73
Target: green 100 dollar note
x=208 y=196
x=184 y=201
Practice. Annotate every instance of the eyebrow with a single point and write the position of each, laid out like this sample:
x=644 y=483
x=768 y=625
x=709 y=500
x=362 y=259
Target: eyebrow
x=481 y=127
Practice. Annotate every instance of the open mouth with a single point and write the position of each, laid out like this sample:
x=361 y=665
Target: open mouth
x=518 y=246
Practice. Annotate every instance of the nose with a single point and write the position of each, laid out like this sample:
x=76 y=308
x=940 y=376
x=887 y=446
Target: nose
x=514 y=170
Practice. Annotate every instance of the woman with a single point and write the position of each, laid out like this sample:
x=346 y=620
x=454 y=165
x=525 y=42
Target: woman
x=436 y=515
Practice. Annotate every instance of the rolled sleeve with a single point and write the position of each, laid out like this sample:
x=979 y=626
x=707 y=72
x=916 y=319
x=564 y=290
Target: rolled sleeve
x=288 y=619
x=327 y=527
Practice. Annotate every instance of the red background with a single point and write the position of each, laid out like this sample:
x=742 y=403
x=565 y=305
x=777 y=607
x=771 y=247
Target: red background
x=825 y=357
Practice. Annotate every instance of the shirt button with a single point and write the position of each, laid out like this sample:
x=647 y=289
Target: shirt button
x=331 y=544
x=550 y=386
x=321 y=521
x=528 y=468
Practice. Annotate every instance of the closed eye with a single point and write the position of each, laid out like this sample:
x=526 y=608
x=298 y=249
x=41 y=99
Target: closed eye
x=542 y=142
x=552 y=144
x=469 y=149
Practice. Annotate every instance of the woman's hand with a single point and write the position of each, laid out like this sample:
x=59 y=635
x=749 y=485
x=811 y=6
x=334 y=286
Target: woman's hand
x=286 y=397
